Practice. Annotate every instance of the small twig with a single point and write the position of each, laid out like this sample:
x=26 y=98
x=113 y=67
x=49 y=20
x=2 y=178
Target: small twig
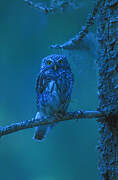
x=75 y=41
x=53 y=6
x=40 y=7
x=36 y=122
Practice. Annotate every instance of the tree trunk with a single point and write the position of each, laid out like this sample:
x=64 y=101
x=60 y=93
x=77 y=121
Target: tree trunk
x=107 y=35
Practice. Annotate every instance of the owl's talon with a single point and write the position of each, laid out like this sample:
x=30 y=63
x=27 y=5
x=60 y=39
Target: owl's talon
x=59 y=116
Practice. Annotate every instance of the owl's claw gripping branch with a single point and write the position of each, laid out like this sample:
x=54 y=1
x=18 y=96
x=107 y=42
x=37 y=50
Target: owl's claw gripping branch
x=40 y=122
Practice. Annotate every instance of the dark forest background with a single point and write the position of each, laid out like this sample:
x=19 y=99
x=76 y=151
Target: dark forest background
x=69 y=152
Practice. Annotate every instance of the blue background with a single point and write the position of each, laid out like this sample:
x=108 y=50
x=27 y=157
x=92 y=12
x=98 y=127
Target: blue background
x=69 y=152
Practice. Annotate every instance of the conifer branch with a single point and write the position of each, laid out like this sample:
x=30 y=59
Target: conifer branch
x=74 y=42
x=58 y=118
x=54 y=5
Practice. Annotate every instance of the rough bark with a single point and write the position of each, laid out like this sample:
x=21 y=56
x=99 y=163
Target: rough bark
x=107 y=35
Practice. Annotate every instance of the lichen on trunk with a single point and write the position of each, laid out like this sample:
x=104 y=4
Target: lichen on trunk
x=107 y=36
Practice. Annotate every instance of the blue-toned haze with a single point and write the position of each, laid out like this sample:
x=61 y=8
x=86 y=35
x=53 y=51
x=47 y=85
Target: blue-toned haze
x=69 y=151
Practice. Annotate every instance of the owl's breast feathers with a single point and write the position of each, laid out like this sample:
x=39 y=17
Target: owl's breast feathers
x=54 y=91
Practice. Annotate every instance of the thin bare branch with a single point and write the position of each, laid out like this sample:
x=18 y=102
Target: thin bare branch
x=54 y=5
x=58 y=118
x=40 y=7
x=74 y=43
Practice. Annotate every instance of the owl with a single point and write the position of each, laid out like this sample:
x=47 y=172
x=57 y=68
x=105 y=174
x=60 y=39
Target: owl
x=53 y=87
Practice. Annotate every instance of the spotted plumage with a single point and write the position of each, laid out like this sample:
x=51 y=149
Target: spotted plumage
x=53 y=88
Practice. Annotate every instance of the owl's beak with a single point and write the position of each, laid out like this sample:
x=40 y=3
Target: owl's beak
x=55 y=67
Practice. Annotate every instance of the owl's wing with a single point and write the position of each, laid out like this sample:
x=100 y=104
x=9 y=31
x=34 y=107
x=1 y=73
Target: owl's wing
x=40 y=86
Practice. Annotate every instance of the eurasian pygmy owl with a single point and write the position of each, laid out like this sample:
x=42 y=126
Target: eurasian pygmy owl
x=53 y=87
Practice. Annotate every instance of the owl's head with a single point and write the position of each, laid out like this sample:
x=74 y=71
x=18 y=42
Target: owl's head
x=55 y=62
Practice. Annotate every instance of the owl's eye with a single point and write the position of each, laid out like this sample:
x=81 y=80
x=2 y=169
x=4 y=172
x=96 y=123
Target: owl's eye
x=49 y=62
x=60 y=61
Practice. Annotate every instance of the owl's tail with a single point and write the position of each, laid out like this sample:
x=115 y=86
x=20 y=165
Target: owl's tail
x=41 y=132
